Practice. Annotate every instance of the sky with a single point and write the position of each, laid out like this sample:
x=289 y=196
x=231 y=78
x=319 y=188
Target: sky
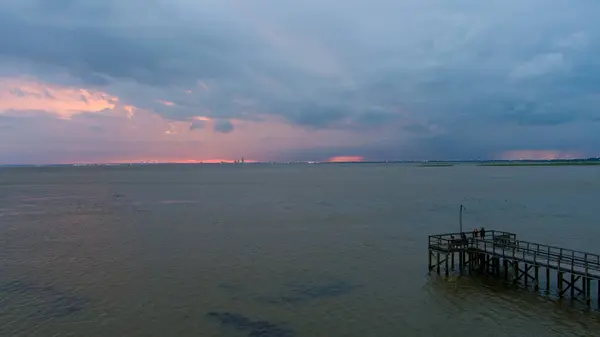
x=98 y=81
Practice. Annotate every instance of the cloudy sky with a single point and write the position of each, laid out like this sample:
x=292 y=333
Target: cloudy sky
x=182 y=80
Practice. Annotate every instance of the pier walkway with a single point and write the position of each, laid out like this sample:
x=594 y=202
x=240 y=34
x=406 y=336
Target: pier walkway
x=502 y=254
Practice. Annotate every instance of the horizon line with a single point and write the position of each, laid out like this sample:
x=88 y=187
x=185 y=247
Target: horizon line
x=299 y=162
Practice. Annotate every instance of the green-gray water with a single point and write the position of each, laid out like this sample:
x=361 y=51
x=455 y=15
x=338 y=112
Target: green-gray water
x=317 y=250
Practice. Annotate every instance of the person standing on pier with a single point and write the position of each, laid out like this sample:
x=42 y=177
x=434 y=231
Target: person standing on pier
x=475 y=231
x=482 y=232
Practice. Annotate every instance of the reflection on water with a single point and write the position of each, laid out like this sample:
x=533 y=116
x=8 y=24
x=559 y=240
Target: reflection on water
x=303 y=292
x=251 y=250
x=37 y=302
x=252 y=328
x=504 y=303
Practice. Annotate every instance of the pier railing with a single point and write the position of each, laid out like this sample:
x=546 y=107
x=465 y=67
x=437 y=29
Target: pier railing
x=455 y=240
x=563 y=258
x=505 y=244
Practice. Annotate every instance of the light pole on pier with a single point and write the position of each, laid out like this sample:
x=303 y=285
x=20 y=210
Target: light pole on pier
x=460 y=217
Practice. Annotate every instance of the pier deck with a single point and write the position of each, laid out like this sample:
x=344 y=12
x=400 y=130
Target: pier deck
x=500 y=252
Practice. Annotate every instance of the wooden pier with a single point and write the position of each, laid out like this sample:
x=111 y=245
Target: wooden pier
x=546 y=269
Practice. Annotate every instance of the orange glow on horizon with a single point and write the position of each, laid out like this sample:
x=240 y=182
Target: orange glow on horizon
x=201 y=118
x=345 y=159
x=167 y=103
x=161 y=161
x=538 y=155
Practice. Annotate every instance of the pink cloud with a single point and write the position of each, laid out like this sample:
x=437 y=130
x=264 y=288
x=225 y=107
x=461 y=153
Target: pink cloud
x=538 y=155
x=66 y=124
x=27 y=94
x=62 y=124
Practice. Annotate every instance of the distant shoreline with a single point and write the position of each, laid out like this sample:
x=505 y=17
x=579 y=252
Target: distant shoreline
x=550 y=163
x=437 y=164
x=423 y=163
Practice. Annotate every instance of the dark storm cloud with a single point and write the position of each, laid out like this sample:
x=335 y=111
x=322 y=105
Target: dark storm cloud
x=223 y=126
x=433 y=68
x=198 y=125
x=164 y=55
x=96 y=128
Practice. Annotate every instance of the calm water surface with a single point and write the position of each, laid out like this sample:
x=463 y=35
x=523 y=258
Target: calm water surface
x=315 y=250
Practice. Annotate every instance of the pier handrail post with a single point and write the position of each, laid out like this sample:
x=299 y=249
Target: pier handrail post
x=548 y=257
x=560 y=257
